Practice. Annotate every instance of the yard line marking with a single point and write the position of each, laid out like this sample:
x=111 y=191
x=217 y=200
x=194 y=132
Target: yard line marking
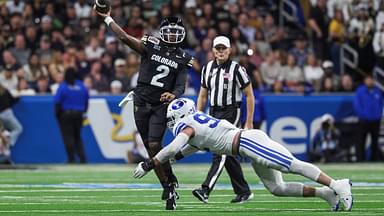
x=223 y=209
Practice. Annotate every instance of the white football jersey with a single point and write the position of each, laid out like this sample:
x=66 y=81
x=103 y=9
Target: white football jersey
x=211 y=134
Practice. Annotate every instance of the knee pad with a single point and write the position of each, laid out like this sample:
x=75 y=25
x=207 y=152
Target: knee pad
x=279 y=190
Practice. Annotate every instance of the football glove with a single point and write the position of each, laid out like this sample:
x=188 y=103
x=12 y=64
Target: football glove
x=127 y=98
x=143 y=168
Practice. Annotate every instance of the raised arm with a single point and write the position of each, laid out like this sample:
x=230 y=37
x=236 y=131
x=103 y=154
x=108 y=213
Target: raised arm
x=127 y=39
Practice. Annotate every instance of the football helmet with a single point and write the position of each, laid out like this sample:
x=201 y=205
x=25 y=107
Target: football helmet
x=172 y=30
x=178 y=109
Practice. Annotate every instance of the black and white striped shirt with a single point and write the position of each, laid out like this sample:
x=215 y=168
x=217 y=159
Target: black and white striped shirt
x=224 y=82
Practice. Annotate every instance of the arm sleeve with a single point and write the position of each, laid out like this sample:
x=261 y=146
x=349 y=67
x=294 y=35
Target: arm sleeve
x=181 y=80
x=171 y=149
x=188 y=150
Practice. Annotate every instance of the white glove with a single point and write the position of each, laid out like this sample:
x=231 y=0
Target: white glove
x=139 y=171
x=127 y=98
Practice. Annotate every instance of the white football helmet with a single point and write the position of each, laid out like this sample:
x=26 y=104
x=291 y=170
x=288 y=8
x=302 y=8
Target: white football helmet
x=178 y=109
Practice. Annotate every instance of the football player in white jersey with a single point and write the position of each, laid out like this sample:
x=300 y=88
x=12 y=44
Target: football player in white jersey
x=198 y=131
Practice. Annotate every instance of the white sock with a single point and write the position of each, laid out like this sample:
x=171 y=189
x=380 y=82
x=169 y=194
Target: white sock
x=322 y=192
x=332 y=184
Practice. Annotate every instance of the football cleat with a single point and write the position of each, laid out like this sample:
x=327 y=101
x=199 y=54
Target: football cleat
x=242 y=198
x=168 y=190
x=201 y=194
x=171 y=201
x=344 y=189
x=332 y=198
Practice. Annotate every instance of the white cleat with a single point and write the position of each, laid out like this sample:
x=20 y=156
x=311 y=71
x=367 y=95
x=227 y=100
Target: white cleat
x=344 y=189
x=332 y=198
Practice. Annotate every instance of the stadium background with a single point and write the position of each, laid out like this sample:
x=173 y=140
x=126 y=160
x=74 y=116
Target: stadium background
x=39 y=39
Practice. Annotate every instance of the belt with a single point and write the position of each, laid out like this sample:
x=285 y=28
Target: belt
x=232 y=106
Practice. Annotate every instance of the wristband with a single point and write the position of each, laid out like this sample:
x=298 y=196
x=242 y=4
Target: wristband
x=108 y=20
x=179 y=156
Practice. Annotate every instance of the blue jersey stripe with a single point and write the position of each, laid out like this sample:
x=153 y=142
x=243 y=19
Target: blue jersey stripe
x=242 y=144
x=266 y=148
x=179 y=128
x=266 y=152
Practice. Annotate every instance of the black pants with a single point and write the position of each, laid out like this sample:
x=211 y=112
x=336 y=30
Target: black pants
x=372 y=128
x=70 y=125
x=151 y=123
x=231 y=164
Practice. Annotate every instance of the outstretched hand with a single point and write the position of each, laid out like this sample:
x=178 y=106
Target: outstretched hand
x=102 y=14
x=139 y=171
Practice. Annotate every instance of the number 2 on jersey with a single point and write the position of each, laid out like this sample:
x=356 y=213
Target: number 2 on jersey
x=204 y=119
x=164 y=72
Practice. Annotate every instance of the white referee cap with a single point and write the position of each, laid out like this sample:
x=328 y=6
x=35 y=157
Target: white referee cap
x=221 y=40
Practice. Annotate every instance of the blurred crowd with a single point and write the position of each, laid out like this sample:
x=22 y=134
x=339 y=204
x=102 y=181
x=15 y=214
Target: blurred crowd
x=39 y=39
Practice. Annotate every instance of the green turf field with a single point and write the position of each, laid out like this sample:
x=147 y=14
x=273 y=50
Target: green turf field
x=111 y=190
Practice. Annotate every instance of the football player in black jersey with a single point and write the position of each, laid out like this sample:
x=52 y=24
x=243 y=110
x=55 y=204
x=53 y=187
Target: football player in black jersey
x=162 y=78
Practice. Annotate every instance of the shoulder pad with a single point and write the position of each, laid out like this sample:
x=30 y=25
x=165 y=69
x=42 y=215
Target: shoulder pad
x=150 y=39
x=153 y=40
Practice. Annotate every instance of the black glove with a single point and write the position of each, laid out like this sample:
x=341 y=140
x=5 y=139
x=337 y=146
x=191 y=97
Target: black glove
x=148 y=165
x=179 y=156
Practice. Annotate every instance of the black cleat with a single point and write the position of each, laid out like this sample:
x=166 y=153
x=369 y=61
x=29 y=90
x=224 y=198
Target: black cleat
x=242 y=198
x=171 y=202
x=201 y=194
x=169 y=189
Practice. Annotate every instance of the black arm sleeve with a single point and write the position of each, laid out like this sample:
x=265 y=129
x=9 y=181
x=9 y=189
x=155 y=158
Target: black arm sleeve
x=181 y=80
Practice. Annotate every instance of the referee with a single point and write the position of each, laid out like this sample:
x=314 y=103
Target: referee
x=224 y=80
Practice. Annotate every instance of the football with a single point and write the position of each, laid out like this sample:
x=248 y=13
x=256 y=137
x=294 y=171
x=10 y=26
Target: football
x=102 y=6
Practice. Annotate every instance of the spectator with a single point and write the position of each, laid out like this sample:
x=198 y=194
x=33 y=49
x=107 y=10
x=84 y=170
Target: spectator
x=93 y=51
x=324 y=146
x=333 y=79
x=378 y=46
x=368 y=104
x=15 y=6
x=42 y=85
x=19 y=51
x=245 y=28
x=23 y=88
x=313 y=72
x=57 y=80
x=88 y=83
x=318 y=22
x=347 y=84
x=122 y=75
x=116 y=87
x=7 y=117
x=83 y=10
x=292 y=74
x=71 y=102
x=34 y=69
x=270 y=70
x=300 y=50
x=100 y=82
x=8 y=79
x=338 y=34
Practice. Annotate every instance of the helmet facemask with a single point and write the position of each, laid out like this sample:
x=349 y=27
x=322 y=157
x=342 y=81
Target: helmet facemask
x=172 y=30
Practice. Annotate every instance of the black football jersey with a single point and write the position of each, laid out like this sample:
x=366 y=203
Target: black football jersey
x=162 y=69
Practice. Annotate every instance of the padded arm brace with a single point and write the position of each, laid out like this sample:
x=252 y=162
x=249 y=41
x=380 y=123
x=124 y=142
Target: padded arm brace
x=170 y=150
